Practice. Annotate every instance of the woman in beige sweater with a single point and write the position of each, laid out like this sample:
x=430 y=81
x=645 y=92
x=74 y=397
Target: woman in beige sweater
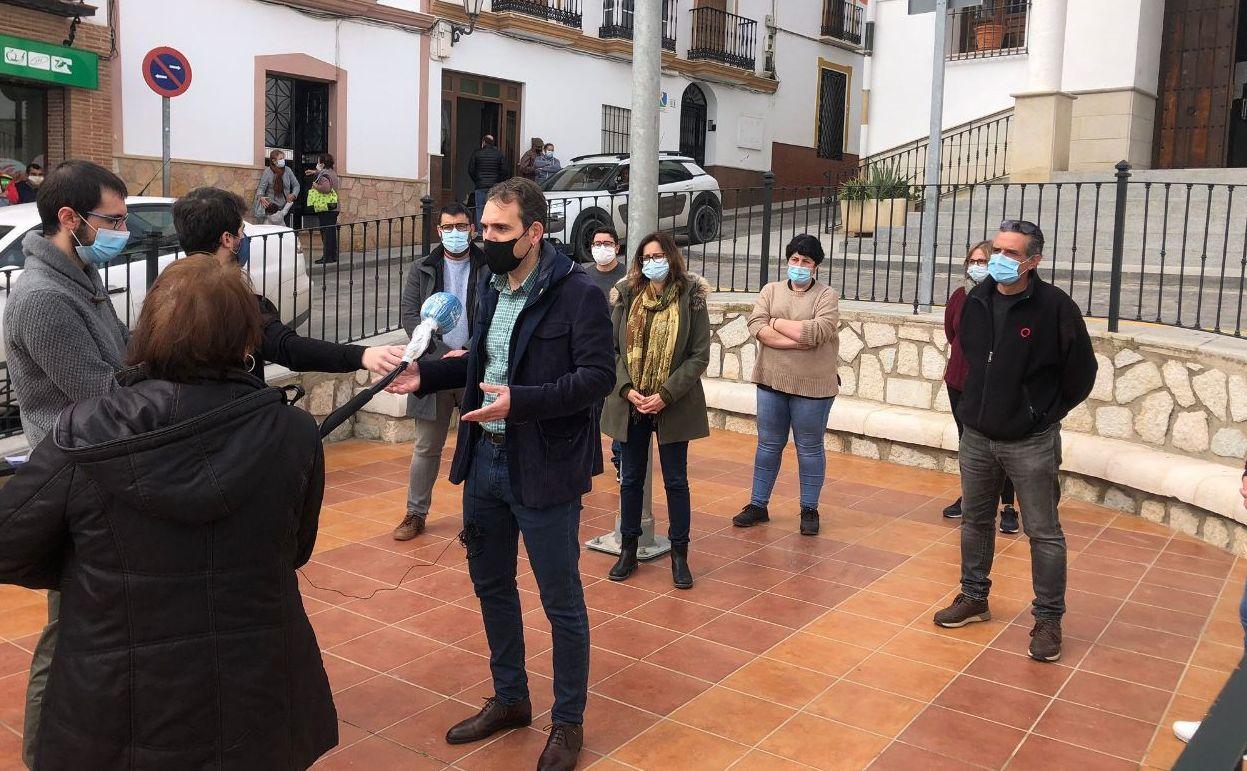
x=797 y=325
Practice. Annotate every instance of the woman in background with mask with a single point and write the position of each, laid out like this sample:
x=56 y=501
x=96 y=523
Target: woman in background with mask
x=547 y=165
x=955 y=372
x=323 y=199
x=277 y=190
x=662 y=343
x=797 y=323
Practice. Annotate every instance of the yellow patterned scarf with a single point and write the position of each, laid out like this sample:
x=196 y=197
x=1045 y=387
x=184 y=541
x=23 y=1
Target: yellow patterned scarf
x=653 y=325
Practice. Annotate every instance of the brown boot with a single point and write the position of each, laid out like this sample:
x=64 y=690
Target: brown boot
x=412 y=526
x=493 y=717
x=562 y=748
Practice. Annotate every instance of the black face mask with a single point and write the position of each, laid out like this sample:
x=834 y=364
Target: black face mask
x=500 y=256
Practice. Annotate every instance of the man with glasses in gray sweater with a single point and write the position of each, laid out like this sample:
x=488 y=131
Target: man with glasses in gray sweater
x=63 y=339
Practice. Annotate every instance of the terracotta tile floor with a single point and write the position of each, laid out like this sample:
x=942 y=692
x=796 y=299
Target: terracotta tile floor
x=789 y=653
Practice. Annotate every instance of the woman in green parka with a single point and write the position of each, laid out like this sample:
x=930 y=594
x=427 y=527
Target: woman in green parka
x=662 y=348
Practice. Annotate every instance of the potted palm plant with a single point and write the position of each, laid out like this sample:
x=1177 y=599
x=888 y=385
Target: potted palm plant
x=879 y=198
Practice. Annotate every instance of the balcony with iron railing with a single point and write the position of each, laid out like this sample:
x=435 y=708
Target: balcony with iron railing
x=996 y=28
x=723 y=37
x=565 y=12
x=843 y=20
x=617 y=16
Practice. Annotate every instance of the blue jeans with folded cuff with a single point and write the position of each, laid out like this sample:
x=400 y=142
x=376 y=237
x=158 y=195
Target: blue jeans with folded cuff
x=1032 y=463
x=493 y=520
x=673 y=458
x=778 y=414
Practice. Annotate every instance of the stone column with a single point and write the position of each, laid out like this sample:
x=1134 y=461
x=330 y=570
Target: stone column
x=1042 y=114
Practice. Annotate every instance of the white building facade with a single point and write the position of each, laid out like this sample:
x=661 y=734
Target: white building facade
x=1158 y=83
x=748 y=86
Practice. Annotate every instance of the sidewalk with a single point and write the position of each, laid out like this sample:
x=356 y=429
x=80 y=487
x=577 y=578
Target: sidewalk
x=789 y=653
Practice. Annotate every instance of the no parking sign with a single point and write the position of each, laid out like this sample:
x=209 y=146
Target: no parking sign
x=167 y=71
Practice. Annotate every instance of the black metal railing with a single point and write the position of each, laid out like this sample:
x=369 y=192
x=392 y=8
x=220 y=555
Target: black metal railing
x=996 y=28
x=972 y=153
x=843 y=20
x=617 y=16
x=723 y=37
x=565 y=12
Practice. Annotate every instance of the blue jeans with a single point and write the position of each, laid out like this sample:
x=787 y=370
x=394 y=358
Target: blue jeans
x=493 y=520
x=673 y=458
x=478 y=196
x=778 y=413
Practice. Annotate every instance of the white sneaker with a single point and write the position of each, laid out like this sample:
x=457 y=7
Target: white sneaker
x=1185 y=729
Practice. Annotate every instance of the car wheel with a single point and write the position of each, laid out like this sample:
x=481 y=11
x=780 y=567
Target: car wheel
x=704 y=221
x=582 y=234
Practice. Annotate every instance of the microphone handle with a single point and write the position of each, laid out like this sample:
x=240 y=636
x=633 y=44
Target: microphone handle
x=340 y=415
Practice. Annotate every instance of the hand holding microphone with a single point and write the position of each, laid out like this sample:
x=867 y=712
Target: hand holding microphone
x=439 y=314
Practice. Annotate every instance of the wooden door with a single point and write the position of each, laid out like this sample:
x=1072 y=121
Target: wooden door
x=1196 y=80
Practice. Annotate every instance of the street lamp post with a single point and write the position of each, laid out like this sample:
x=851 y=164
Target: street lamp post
x=473 y=9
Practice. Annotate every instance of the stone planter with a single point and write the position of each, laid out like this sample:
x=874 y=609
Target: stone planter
x=864 y=217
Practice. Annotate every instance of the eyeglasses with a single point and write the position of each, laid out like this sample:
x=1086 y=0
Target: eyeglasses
x=113 y=220
x=462 y=227
x=652 y=257
x=1020 y=226
x=611 y=244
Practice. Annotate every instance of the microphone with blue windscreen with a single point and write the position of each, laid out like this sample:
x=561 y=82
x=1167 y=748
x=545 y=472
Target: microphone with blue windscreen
x=439 y=314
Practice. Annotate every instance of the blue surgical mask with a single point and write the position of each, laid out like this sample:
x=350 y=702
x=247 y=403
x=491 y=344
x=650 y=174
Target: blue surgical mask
x=455 y=242
x=281 y=164
x=244 y=252
x=800 y=275
x=977 y=273
x=656 y=270
x=108 y=244
x=1003 y=269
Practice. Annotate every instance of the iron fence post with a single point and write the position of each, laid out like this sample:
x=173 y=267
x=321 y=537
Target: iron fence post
x=426 y=215
x=768 y=199
x=1119 y=235
x=153 y=260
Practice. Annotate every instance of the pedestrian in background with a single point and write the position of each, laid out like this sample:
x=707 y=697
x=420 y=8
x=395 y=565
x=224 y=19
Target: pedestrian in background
x=955 y=373
x=662 y=336
x=607 y=271
x=547 y=165
x=1034 y=339
x=796 y=322
x=25 y=185
x=278 y=189
x=486 y=168
x=453 y=266
x=171 y=514
x=325 y=202
x=527 y=167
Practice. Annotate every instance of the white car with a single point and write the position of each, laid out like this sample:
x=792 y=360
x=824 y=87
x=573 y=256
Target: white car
x=276 y=264
x=592 y=192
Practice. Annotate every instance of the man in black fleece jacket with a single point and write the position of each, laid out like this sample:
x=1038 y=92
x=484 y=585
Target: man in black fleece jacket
x=209 y=220
x=1030 y=363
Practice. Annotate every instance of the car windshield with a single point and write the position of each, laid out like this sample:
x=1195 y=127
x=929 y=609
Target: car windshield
x=581 y=176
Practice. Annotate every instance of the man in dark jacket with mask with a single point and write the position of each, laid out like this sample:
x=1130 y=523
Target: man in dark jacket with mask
x=486 y=168
x=1030 y=362
x=540 y=360
x=453 y=266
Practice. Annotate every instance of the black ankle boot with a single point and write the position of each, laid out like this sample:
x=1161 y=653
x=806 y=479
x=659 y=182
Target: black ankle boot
x=681 y=576
x=626 y=565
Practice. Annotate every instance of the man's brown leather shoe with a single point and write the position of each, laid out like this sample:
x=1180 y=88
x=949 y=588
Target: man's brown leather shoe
x=562 y=748
x=493 y=717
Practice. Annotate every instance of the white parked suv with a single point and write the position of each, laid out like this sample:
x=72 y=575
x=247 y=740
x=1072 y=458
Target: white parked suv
x=276 y=265
x=592 y=192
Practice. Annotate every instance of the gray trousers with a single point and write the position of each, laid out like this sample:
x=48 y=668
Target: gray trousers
x=1032 y=463
x=39 y=667
x=426 y=453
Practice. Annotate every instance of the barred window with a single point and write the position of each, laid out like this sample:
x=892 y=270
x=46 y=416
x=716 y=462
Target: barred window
x=616 y=129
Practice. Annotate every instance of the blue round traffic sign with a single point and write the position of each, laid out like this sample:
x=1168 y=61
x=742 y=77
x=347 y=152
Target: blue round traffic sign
x=167 y=71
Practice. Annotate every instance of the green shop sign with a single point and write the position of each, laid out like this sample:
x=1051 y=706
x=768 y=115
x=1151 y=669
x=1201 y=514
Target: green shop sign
x=32 y=60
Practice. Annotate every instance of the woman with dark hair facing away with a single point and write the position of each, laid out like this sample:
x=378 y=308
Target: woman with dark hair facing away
x=797 y=324
x=957 y=369
x=172 y=514
x=208 y=220
x=662 y=343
